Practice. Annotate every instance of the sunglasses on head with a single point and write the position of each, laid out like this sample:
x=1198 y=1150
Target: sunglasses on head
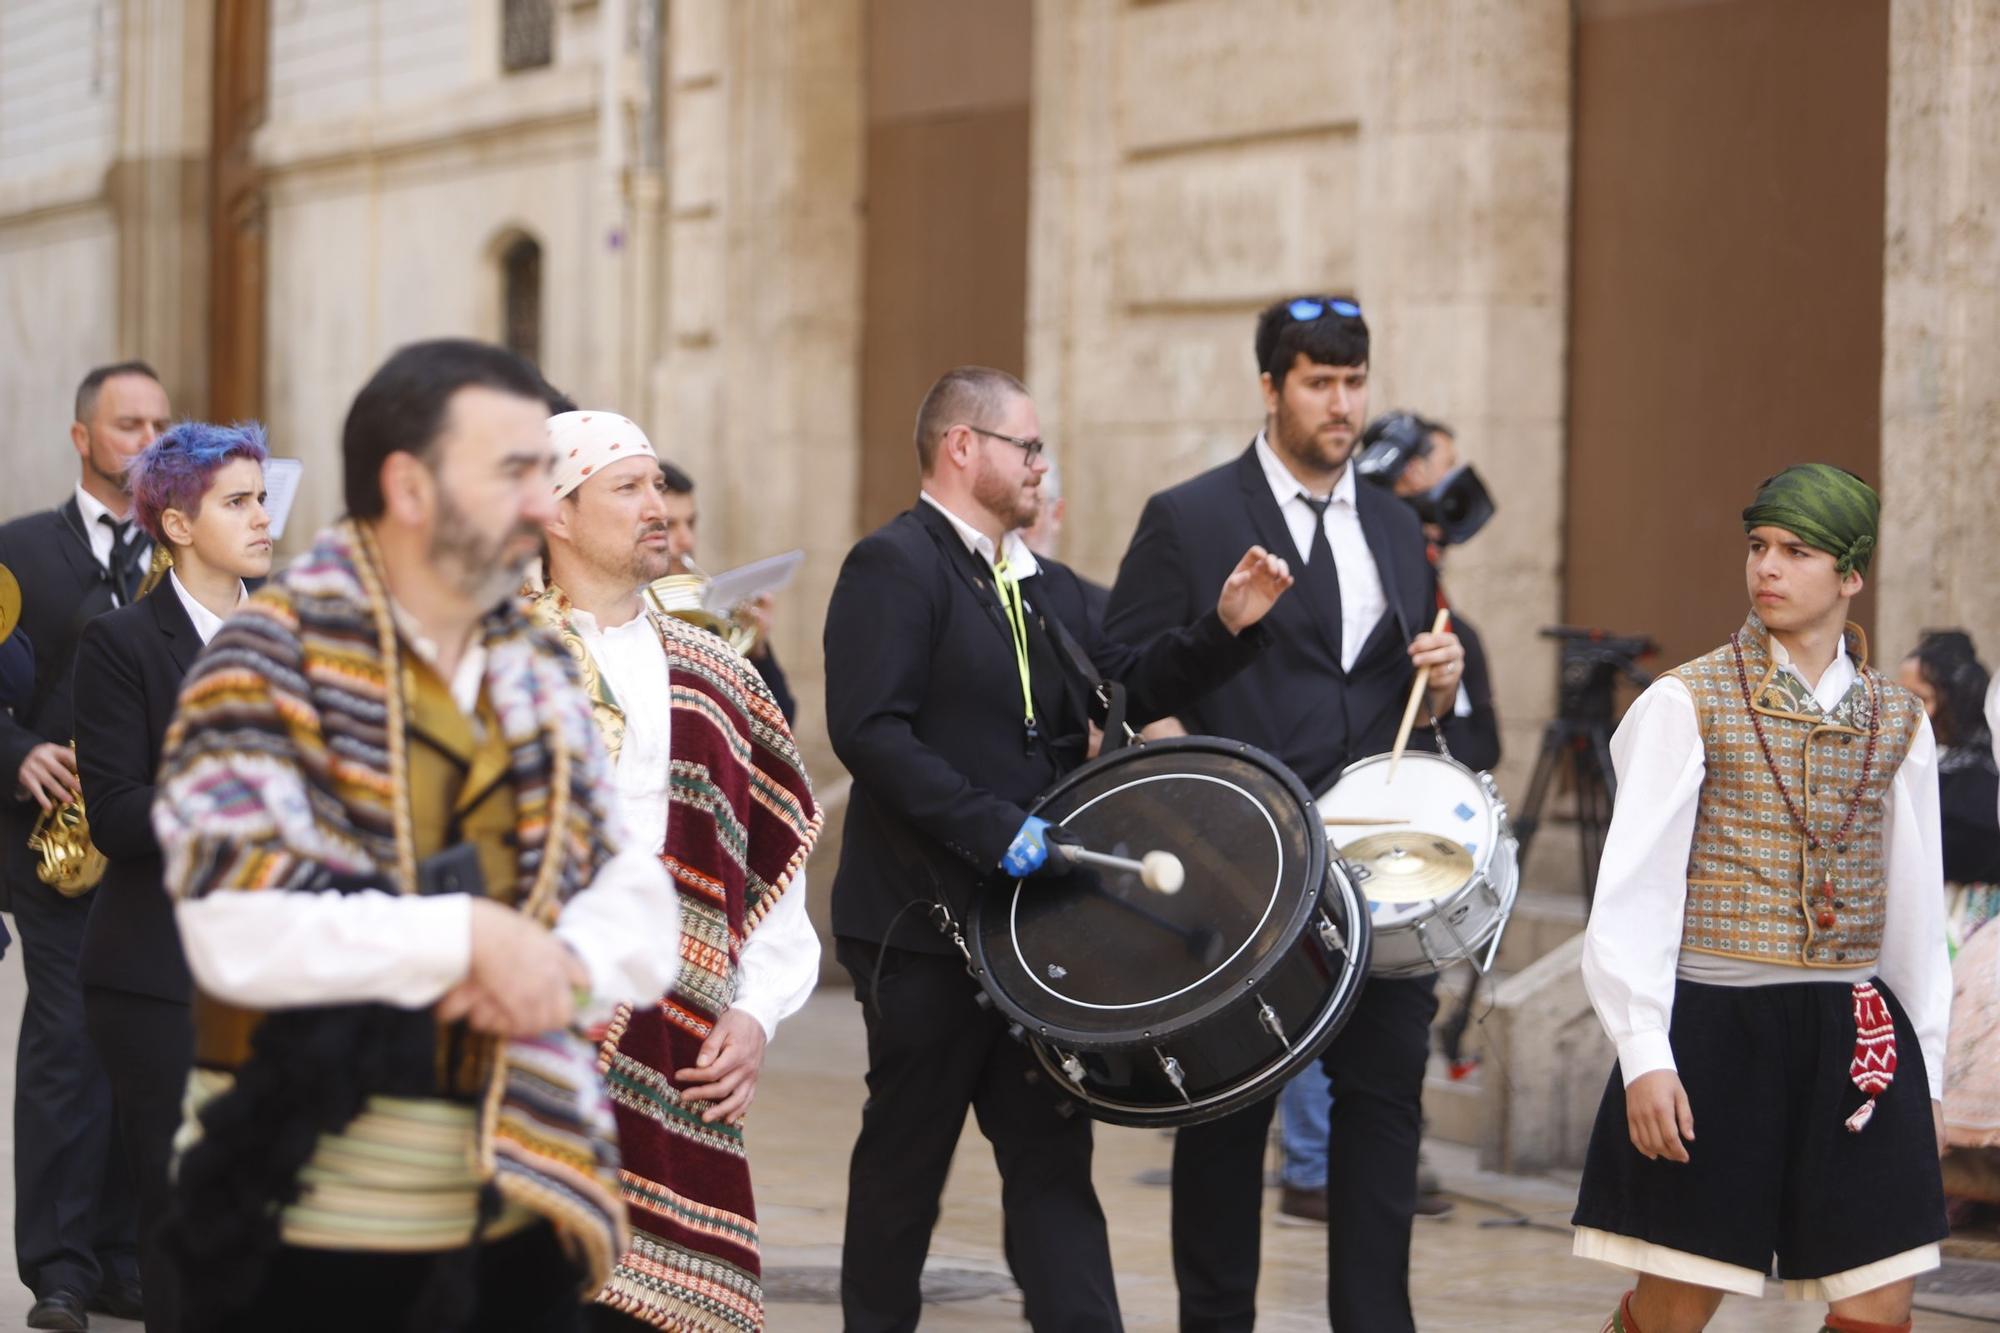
x=1316 y=307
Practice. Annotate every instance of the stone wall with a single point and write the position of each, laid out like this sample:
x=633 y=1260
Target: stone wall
x=399 y=163
x=103 y=135
x=1190 y=166
x=1941 y=327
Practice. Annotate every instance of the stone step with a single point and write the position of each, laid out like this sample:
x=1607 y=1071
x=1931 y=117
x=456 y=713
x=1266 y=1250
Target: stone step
x=1543 y=919
x=1455 y=1110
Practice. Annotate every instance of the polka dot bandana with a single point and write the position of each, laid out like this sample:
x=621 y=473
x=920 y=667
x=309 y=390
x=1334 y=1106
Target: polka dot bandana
x=585 y=443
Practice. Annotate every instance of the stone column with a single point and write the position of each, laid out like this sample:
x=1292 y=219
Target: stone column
x=760 y=382
x=1941 y=328
x=158 y=190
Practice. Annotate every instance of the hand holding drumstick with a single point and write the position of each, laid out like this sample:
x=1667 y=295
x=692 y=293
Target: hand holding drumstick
x=1440 y=660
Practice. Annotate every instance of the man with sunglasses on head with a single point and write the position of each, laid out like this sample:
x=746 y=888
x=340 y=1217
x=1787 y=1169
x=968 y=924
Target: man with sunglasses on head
x=953 y=701
x=1344 y=650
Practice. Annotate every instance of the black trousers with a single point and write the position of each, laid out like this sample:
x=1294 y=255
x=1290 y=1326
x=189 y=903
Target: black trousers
x=74 y=1214
x=523 y=1284
x=147 y=1046
x=1376 y=1065
x=932 y=1052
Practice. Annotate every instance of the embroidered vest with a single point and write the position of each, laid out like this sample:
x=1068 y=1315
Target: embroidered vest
x=1756 y=889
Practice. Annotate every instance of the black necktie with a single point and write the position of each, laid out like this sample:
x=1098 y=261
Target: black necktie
x=1322 y=579
x=124 y=557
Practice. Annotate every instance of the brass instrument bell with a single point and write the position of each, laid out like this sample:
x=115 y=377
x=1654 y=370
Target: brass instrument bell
x=70 y=864
x=681 y=596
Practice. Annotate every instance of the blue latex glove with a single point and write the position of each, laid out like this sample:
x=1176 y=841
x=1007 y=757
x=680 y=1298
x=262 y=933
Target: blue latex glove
x=1033 y=851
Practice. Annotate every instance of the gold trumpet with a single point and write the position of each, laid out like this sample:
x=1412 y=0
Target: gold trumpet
x=70 y=862
x=681 y=596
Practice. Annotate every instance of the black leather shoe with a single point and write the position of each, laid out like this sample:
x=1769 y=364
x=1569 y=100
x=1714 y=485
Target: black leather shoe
x=121 y=1296
x=59 y=1310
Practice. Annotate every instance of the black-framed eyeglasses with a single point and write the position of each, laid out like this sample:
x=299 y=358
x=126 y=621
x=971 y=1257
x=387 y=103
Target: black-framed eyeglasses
x=1032 y=448
x=1316 y=307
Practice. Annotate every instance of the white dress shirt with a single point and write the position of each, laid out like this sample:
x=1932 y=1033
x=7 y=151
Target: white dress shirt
x=277 y=950
x=779 y=965
x=1362 y=601
x=91 y=509
x=206 y=622
x=1632 y=956
x=1021 y=562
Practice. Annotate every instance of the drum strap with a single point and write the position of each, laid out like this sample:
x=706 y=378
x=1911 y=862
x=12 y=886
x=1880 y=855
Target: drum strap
x=1110 y=693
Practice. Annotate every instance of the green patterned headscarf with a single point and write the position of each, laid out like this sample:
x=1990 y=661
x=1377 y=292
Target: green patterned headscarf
x=1826 y=507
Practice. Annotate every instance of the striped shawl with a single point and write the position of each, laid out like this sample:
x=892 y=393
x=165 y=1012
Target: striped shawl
x=741 y=820
x=285 y=770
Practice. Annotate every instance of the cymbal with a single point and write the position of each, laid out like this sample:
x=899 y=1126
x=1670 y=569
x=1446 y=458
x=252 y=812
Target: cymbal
x=1408 y=867
x=10 y=602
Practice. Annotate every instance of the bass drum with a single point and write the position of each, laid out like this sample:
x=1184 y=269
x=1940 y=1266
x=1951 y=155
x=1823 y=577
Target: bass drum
x=1166 y=1009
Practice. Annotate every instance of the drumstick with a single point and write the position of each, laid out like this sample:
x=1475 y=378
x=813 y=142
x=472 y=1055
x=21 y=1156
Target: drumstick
x=1361 y=821
x=1161 y=872
x=1416 y=694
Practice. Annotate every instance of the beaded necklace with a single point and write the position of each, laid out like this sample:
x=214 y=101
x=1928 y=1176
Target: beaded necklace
x=1826 y=916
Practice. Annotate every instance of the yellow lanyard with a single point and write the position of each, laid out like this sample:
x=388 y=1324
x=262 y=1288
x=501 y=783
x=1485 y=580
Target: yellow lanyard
x=1017 y=622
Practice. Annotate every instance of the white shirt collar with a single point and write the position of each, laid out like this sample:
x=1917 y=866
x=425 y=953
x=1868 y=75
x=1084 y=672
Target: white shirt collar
x=1021 y=563
x=93 y=509
x=1834 y=682
x=583 y=622
x=1286 y=487
x=206 y=622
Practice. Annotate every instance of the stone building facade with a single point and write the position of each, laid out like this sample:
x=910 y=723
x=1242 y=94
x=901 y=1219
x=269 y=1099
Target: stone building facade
x=761 y=226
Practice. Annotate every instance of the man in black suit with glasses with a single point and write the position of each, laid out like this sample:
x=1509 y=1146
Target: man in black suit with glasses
x=952 y=700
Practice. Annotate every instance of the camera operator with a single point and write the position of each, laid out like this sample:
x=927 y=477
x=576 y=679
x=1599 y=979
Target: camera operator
x=1417 y=458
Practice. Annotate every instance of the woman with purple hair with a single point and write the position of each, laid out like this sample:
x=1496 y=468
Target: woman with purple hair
x=198 y=491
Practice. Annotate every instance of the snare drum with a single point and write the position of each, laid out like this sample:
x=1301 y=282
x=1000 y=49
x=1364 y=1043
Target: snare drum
x=1438 y=805
x=1157 y=1009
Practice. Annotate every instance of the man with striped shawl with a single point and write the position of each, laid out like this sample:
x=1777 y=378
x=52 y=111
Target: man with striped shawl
x=709 y=780
x=391 y=829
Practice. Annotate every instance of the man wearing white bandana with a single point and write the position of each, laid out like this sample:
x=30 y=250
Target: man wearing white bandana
x=706 y=770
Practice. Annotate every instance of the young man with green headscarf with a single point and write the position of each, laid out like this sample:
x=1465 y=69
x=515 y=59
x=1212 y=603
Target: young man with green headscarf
x=1767 y=952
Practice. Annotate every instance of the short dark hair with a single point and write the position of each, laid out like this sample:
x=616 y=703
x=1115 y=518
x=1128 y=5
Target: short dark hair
x=558 y=401
x=1330 y=339
x=402 y=407
x=86 y=392
x=969 y=395
x=1951 y=666
x=678 y=482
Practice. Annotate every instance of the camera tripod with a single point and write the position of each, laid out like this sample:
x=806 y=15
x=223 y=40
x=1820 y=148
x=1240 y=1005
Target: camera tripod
x=1580 y=749
x=1576 y=744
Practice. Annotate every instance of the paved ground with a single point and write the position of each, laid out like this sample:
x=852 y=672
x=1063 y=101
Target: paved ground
x=1501 y=1263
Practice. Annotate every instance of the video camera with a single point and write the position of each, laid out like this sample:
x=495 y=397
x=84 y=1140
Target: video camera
x=1592 y=662
x=1458 y=505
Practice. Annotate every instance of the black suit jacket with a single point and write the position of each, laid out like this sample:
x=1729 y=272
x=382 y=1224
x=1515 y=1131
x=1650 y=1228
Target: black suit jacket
x=62 y=589
x=1474 y=740
x=129 y=667
x=1295 y=701
x=923 y=705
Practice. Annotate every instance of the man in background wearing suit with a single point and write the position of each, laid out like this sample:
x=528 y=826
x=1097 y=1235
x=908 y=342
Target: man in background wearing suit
x=73 y=1238
x=199 y=490
x=1344 y=649
x=952 y=703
